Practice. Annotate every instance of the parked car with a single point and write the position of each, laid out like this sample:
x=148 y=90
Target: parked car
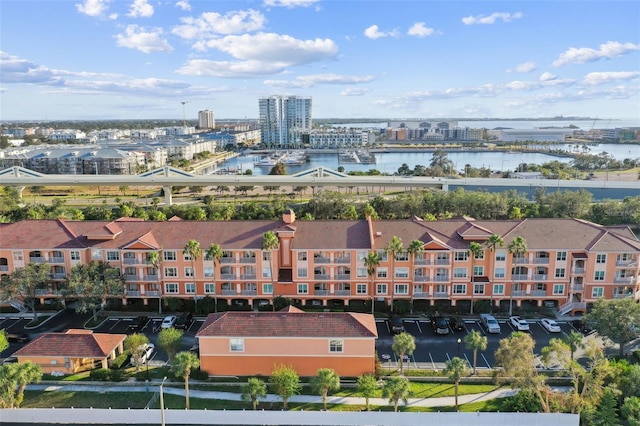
x=138 y=323
x=550 y=325
x=169 y=321
x=490 y=323
x=397 y=326
x=456 y=323
x=582 y=326
x=147 y=351
x=440 y=325
x=184 y=321
x=519 y=324
x=18 y=337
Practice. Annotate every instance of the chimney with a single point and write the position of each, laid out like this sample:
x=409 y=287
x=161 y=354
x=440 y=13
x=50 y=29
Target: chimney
x=289 y=217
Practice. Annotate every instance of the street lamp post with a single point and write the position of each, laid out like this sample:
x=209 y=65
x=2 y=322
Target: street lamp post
x=459 y=342
x=162 y=401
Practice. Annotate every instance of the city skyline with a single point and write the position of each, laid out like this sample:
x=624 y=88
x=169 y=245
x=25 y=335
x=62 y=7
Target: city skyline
x=134 y=59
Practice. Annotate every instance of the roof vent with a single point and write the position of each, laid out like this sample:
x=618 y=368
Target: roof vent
x=378 y=233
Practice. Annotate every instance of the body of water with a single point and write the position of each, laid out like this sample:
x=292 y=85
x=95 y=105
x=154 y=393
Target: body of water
x=520 y=124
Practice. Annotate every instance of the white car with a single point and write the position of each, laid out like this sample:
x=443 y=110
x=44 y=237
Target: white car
x=145 y=354
x=519 y=323
x=169 y=321
x=550 y=325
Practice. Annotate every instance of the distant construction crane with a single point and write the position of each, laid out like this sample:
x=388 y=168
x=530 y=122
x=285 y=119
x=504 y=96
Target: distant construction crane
x=184 y=114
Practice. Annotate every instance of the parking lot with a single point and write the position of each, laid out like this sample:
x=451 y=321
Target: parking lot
x=433 y=350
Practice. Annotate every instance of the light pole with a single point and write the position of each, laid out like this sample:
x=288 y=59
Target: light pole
x=459 y=342
x=162 y=401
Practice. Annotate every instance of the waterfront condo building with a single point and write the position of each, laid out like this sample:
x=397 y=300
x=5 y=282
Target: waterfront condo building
x=283 y=120
x=564 y=263
x=206 y=120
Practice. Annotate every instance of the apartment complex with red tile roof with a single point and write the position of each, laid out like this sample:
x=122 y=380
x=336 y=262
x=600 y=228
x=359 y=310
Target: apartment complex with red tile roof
x=568 y=263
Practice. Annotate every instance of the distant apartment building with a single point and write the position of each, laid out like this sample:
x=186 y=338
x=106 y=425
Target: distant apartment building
x=109 y=134
x=538 y=135
x=206 y=120
x=340 y=138
x=66 y=134
x=283 y=120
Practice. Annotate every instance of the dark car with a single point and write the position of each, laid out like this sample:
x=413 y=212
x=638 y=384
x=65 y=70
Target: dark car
x=18 y=337
x=397 y=326
x=184 y=321
x=440 y=325
x=138 y=323
x=456 y=323
x=582 y=326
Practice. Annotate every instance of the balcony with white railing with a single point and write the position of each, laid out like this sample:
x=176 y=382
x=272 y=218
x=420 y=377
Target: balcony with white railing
x=247 y=276
x=623 y=280
x=4 y=268
x=519 y=277
x=421 y=295
x=320 y=292
x=56 y=259
x=422 y=261
x=153 y=293
x=520 y=260
x=538 y=293
x=442 y=262
x=58 y=275
x=131 y=278
x=342 y=259
x=227 y=276
x=132 y=293
x=577 y=287
x=441 y=278
x=130 y=261
x=343 y=276
x=577 y=271
x=540 y=277
x=249 y=292
x=228 y=292
x=150 y=277
x=321 y=276
x=629 y=263
x=519 y=293
x=622 y=295
x=541 y=260
x=422 y=278
x=247 y=260
x=321 y=259
x=37 y=259
x=440 y=294
x=227 y=260
x=343 y=293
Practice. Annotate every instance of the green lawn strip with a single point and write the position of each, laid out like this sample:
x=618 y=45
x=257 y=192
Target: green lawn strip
x=68 y=399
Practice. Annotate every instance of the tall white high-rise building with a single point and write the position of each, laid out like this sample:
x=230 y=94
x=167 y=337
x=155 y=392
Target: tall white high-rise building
x=283 y=119
x=206 y=119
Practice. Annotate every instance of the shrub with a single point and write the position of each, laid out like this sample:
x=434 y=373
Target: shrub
x=120 y=360
x=101 y=374
x=117 y=376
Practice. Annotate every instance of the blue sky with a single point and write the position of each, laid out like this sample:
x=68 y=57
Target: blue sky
x=138 y=59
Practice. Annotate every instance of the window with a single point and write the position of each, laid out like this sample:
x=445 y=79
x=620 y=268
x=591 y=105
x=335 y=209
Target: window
x=96 y=254
x=190 y=288
x=361 y=256
x=460 y=256
x=478 y=271
x=17 y=256
x=302 y=272
x=303 y=288
x=481 y=256
x=402 y=256
x=459 y=272
x=208 y=271
x=169 y=256
x=361 y=272
x=561 y=255
x=498 y=289
x=336 y=345
x=560 y=272
x=501 y=256
x=402 y=272
x=402 y=289
x=75 y=255
x=186 y=255
x=266 y=255
x=302 y=255
x=459 y=289
x=478 y=289
x=382 y=272
x=266 y=272
x=171 y=288
x=361 y=289
x=558 y=289
x=601 y=258
x=170 y=272
x=599 y=276
x=188 y=271
x=209 y=288
x=113 y=255
x=267 y=288
x=597 y=292
x=381 y=289
x=236 y=345
x=499 y=273
x=382 y=255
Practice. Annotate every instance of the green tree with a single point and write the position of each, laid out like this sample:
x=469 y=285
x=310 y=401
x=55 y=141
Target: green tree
x=28 y=372
x=192 y=249
x=455 y=369
x=616 y=320
x=574 y=341
x=270 y=242
x=403 y=344
x=93 y=283
x=491 y=244
x=326 y=380
x=135 y=344
x=606 y=412
x=278 y=169
x=475 y=341
x=631 y=410
x=370 y=212
x=154 y=259
x=13 y=380
x=285 y=382
x=253 y=391
x=367 y=388
x=23 y=284
x=170 y=339
x=214 y=252
x=4 y=343
x=371 y=262
x=518 y=248
x=475 y=252
x=184 y=364
x=393 y=248
x=396 y=389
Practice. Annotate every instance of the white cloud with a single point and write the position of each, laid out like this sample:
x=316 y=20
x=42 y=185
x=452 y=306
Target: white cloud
x=420 y=29
x=228 y=69
x=547 y=76
x=183 y=4
x=140 y=9
x=93 y=7
x=211 y=24
x=582 y=55
x=524 y=67
x=373 y=32
x=16 y=70
x=491 y=19
x=307 y=81
x=289 y=3
x=144 y=40
x=596 y=78
x=355 y=91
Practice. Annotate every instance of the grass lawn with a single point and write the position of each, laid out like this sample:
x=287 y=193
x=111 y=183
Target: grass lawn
x=60 y=399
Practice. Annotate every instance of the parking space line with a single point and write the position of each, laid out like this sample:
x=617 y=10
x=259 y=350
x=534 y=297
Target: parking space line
x=485 y=360
x=116 y=323
x=433 y=364
x=419 y=328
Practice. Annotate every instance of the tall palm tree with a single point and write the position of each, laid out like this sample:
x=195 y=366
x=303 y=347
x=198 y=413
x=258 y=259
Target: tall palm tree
x=183 y=364
x=415 y=247
x=517 y=247
x=393 y=247
x=403 y=344
x=253 y=390
x=397 y=388
x=492 y=242
x=475 y=341
x=371 y=262
x=27 y=372
x=455 y=369
x=155 y=259
x=192 y=249
x=475 y=251
x=215 y=253
x=326 y=380
x=270 y=242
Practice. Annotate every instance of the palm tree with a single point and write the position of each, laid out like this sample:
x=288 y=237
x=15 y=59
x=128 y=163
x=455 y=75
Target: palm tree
x=325 y=380
x=372 y=261
x=475 y=251
x=403 y=343
x=254 y=389
x=215 y=253
x=475 y=341
x=415 y=247
x=455 y=369
x=491 y=244
x=517 y=247
x=367 y=387
x=396 y=389
x=28 y=372
x=393 y=247
x=574 y=341
x=155 y=259
x=183 y=364
x=270 y=242
x=192 y=249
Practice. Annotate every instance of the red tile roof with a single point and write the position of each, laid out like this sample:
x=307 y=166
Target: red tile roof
x=289 y=324
x=72 y=344
x=331 y=235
